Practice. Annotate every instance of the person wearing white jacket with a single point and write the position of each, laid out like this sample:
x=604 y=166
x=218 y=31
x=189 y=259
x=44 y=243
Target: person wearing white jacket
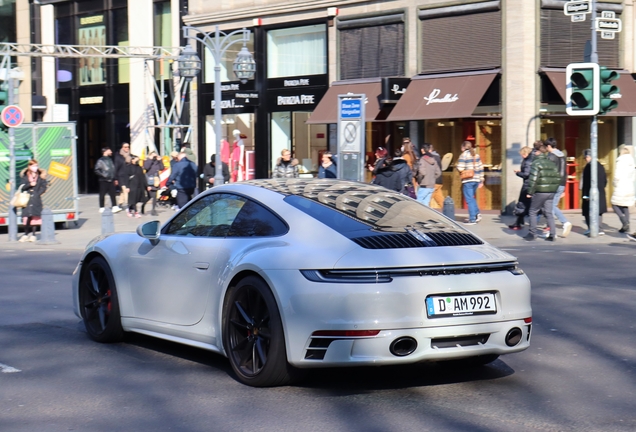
x=623 y=196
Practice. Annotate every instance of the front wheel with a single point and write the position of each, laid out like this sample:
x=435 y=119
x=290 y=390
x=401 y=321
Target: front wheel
x=99 y=303
x=253 y=335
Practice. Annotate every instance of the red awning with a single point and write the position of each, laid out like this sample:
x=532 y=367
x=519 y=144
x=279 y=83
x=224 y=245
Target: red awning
x=440 y=98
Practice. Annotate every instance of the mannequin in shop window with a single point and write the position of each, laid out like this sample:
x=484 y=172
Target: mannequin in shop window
x=237 y=157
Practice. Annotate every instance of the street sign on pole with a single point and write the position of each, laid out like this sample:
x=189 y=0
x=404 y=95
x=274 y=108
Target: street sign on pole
x=351 y=137
x=577 y=7
x=608 y=25
x=608 y=14
x=577 y=18
x=607 y=35
x=12 y=116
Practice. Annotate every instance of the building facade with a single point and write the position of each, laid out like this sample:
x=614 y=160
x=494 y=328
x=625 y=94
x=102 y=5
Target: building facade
x=492 y=72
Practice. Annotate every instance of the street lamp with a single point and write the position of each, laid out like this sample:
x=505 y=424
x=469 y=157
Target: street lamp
x=189 y=63
x=244 y=68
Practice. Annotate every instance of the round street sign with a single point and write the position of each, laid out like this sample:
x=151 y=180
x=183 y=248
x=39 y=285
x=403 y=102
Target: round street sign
x=12 y=116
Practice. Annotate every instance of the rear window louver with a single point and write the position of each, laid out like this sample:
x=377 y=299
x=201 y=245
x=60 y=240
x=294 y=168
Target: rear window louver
x=406 y=240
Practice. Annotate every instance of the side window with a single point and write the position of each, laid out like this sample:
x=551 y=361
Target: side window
x=254 y=220
x=211 y=216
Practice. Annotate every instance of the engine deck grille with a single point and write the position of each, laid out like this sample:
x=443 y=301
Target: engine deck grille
x=407 y=240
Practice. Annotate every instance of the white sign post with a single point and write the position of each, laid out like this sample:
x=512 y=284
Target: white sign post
x=577 y=10
x=351 y=137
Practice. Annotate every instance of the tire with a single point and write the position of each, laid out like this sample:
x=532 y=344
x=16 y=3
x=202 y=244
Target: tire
x=253 y=335
x=99 y=302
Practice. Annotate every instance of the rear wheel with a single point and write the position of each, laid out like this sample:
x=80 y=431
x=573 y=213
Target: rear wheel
x=99 y=303
x=253 y=335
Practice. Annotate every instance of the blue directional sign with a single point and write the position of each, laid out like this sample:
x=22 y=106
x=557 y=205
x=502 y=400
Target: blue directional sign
x=351 y=108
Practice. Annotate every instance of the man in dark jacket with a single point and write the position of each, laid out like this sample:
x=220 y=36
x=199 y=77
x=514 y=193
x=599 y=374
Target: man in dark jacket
x=184 y=178
x=122 y=161
x=558 y=157
x=209 y=171
x=105 y=171
x=543 y=182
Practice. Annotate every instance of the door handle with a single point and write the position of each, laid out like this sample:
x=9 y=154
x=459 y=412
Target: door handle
x=201 y=265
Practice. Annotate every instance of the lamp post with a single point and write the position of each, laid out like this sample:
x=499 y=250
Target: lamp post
x=244 y=68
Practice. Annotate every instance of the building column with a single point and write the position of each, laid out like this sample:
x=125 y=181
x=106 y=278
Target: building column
x=140 y=31
x=520 y=90
x=47 y=28
x=23 y=36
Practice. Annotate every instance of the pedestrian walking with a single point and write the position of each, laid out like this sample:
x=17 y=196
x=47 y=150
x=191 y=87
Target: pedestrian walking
x=105 y=172
x=286 y=166
x=471 y=173
x=137 y=185
x=398 y=175
x=586 y=185
x=426 y=174
x=523 y=203
x=153 y=167
x=183 y=177
x=381 y=162
x=558 y=157
x=438 y=197
x=328 y=168
x=209 y=171
x=623 y=196
x=33 y=181
x=543 y=182
x=122 y=162
x=408 y=153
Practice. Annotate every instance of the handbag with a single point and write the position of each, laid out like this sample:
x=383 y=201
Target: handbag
x=409 y=191
x=468 y=173
x=20 y=199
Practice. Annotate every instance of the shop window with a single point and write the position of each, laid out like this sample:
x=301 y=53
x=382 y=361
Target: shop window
x=371 y=51
x=92 y=31
x=297 y=51
x=64 y=35
x=228 y=58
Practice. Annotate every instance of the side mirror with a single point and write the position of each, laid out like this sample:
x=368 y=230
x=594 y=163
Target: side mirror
x=149 y=230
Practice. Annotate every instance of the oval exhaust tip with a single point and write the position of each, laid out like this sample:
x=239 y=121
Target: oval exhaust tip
x=514 y=336
x=403 y=346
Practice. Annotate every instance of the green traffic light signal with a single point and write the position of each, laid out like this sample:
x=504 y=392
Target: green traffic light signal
x=607 y=89
x=582 y=97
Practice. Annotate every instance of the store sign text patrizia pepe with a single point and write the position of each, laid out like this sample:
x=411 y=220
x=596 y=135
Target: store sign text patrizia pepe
x=433 y=97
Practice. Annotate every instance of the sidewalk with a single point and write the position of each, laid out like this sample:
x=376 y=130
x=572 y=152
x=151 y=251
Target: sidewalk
x=88 y=226
x=493 y=228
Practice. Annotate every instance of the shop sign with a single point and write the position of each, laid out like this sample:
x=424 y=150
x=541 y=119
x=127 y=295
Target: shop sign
x=298 y=82
x=393 y=89
x=433 y=97
x=294 y=99
x=303 y=99
x=239 y=99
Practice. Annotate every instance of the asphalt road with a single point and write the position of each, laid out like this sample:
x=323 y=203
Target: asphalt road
x=578 y=375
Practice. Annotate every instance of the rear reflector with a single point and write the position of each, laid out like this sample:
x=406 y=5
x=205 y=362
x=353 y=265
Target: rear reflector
x=527 y=320
x=346 y=333
x=70 y=216
x=3 y=221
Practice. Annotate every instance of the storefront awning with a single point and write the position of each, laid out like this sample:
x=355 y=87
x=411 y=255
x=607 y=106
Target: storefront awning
x=626 y=84
x=442 y=97
x=327 y=110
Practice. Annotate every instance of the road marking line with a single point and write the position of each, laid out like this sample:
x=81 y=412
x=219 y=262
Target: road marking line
x=40 y=250
x=8 y=369
x=576 y=252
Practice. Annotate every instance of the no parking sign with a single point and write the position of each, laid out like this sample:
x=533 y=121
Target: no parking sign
x=12 y=116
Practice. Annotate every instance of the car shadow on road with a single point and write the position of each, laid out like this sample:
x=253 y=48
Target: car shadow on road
x=344 y=380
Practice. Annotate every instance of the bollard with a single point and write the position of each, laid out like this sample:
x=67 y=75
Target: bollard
x=47 y=230
x=108 y=222
x=449 y=208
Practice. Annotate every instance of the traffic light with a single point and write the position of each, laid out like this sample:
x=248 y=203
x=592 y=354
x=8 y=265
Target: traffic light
x=582 y=89
x=607 y=89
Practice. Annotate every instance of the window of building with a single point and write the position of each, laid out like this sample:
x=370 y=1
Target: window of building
x=163 y=34
x=297 y=51
x=372 y=47
x=459 y=38
x=7 y=21
x=92 y=31
x=563 y=41
x=228 y=58
x=121 y=39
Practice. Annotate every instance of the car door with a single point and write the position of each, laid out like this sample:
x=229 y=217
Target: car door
x=171 y=280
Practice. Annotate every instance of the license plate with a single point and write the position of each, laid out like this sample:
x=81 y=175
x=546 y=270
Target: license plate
x=461 y=305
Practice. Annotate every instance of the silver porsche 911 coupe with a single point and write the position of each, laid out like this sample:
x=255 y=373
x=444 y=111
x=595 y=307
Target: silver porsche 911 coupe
x=289 y=274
